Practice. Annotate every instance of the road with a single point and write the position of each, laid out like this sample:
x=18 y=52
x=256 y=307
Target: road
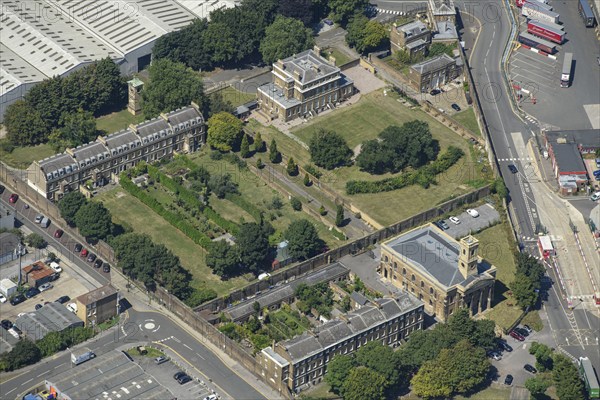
x=144 y=328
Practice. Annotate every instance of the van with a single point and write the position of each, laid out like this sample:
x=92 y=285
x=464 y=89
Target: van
x=45 y=222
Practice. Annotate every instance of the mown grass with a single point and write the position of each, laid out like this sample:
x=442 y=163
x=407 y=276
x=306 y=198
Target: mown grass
x=117 y=121
x=236 y=97
x=22 y=157
x=467 y=119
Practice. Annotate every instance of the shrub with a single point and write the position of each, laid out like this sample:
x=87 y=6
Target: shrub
x=314 y=171
x=322 y=211
x=296 y=203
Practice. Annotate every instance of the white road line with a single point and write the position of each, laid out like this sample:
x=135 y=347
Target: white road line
x=200 y=356
x=23 y=384
x=188 y=347
x=11 y=391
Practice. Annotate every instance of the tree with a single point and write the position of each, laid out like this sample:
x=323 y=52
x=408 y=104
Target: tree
x=437 y=49
x=274 y=154
x=523 y=291
x=338 y=370
x=35 y=240
x=364 y=383
x=382 y=359
x=329 y=150
x=172 y=85
x=24 y=125
x=537 y=386
x=500 y=188
x=296 y=204
x=342 y=10
x=304 y=241
x=217 y=103
x=78 y=128
x=70 y=204
x=224 y=131
x=530 y=267
x=284 y=37
x=94 y=221
x=479 y=333
x=245 y=147
x=52 y=343
x=252 y=246
x=221 y=185
x=24 y=353
x=298 y=9
x=259 y=144
x=222 y=258
x=566 y=379
x=306 y=180
x=375 y=157
x=365 y=35
x=322 y=210
x=292 y=168
x=543 y=356
x=339 y=215
x=259 y=163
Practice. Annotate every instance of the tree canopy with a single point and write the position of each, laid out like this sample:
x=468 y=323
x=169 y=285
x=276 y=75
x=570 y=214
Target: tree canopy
x=364 y=383
x=284 y=37
x=298 y=9
x=329 y=149
x=338 y=370
x=342 y=10
x=94 y=221
x=78 y=128
x=253 y=246
x=70 y=204
x=224 y=131
x=222 y=258
x=304 y=240
x=366 y=35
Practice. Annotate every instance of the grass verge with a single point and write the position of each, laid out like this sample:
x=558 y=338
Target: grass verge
x=22 y=157
x=117 y=121
x=467 y=119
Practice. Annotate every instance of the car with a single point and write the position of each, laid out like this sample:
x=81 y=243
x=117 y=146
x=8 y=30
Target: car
x=38 y=218
x=84 y=253
x=508 y=380
x=45 y=286
x=211 y=397
x=328 y=22
x=6 y=324
x=512 y=168
x=13 y=198
x=91 y=257
x=454 y=220
x=516 y=335
x=527 y=328
x=2 y=189
x=473 y=213
x=182 y=378
x=18 y=299
x=72 y=307
x=26 y=206
x=32 y=292
x=106 y=268
x=455 y=107
x=98 y=263
x=597 y=164
x=16 y=332
x=161 y=360
x=505 y=346
x=595 y=196
x=521 y=332
x=54 y=276
x=443 y=225
x=21 y=314
x=62 y=299
x=78 y=248
x=54 y=265
x=495 y=355
x=596 y=173
x=58 y=233
x=530 y=368
x=38 y=306
x=2 y=298
x=435 y=91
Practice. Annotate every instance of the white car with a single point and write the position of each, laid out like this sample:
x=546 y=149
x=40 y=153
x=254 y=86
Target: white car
x=473 y=213
x=2 y=298
x=45 y=286
x=595 y=196
x=72 y=307
x=39 y=218
x=54 y=265
x=211 y=397
x=454 y=220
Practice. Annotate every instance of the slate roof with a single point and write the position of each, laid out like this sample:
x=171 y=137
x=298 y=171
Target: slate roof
x=89 y=150
x=354 y=323
x=442 y=7
x=97 y=294
x=359 y=298
x=112 y=375
x=433 y=64
x=120 y=138
x=286 y=291
x=568 y=158
x=152 y=127
x=416 y=43
x=52 y=317
x=412 y=28
x=310 y=65
x=184 y=115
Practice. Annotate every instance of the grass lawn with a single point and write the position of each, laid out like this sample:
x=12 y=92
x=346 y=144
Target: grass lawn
x=22 y=157
x=128 y=210
x=467 y=119
x=490 y=393
x=340 y=57
x=533 y=320
x=320 y=391
x=236 y=97
x=118 y=120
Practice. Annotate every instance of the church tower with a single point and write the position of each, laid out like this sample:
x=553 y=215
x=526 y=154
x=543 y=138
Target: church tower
x=134 y=105
x=467 y=259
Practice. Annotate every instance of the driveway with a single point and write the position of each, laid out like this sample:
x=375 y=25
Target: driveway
x=468 y=225
x=363 y=80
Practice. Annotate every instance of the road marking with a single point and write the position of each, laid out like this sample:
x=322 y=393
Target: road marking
x=11 y=391
x=186 y=346
x=200 y=356
x=175 y=339
x=26 y=382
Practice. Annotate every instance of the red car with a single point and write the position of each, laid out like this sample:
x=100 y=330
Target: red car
x=58 y=233
x=517 y=336
x=13 y=198
x=84 y=253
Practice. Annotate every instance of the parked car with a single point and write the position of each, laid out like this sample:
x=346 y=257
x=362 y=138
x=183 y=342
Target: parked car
x=521 y=332
x=530 y=368
x=62 y=299
x=91 y=257
x=508 y=380
x=54 y=265
x=72 y=307
x=58 y=233
x=516 y=335
x=435 y=91
x=6 y=324
x=473 y=213
x=328 y=22
x=495 y=355
x=443 y=225
x=2 y=298
x=512 y=168
x=182 y=377
x=13 y=198
x=39 y=218
x=527 y=328
x=78 y=248
x=596 y=173
x=18 y=299
x=211 y=397
x=2 y=189
x=505 y=346
x=32 y=292
x=38 y=306
x=98 y=263
x=455 y=107
x=160 y=360
x=454 y=220
x=45 y=286
x=106 y=268
x=595 y=196
x=84 y=253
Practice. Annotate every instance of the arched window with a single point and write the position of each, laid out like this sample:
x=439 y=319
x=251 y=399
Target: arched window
x=403 y=271
x=412 y=278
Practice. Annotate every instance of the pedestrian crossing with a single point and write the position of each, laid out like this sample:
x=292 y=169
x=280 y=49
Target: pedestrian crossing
x=530 y=119
x=515 y=159
x=394 y=12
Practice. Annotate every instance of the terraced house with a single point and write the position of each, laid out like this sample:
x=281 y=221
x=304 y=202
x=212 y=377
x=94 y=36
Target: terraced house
x=98 y=162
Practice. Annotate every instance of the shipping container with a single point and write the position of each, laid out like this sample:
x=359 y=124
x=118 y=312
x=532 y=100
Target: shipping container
x=586 y=14
x=545 y=32
x=537 y=43
x=520 y=3
x=539 y=14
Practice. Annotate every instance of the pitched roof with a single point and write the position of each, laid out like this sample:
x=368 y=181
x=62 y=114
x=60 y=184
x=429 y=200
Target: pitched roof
x=97 y=294
x=309 y=66
x=433 y=64
x=568 y=158
x=52 y=317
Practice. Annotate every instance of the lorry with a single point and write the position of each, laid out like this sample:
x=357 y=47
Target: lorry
x=545 y=31
x=536 y=43
x=8 y=287
x=539 y=14
x=537 y=5
x=81 y=356
x=520 y=3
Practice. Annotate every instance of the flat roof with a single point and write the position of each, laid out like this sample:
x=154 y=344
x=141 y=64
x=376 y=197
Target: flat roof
x=580 y=137
x=269 y=352
x=568 y=158
x=110 y=376
x=309 y=65
x=52 y=317
x=97 y=294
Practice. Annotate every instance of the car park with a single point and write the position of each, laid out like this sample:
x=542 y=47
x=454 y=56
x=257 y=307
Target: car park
x=2 y=298
x=45 y=286
x=529 y=368
x=454 y=220
x=62 y=299
x=182 y=377
x=512 y=168
x=455 y=107
x=106 y=268
x=13 y=198
x=84 y=253
x=18 y=299
x=161 y=360
x=39 y=218
x=91 y=257
x=32 y=292
x=98 y=263
x=508 y=380
x=78 y=248
x=516 y=335
x=473 y=213
x=6 y=324
x=58 y=233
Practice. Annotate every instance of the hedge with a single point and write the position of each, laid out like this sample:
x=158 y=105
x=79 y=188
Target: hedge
x=245 y=205
x=174 y=219
x=423 y=176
